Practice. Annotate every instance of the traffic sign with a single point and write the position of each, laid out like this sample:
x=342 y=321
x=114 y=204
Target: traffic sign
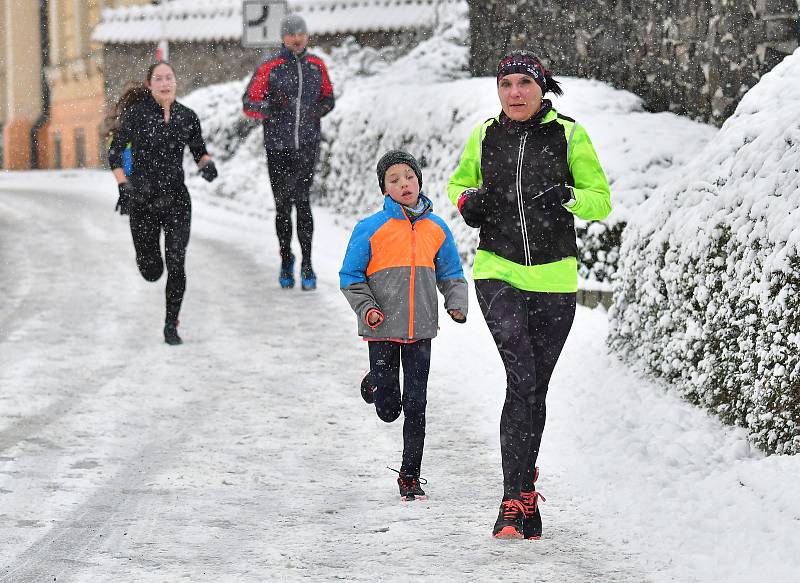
x=262 y=22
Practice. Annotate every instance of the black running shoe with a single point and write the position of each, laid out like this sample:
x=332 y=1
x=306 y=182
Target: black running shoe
x=368 y=388
x=171 y=334
x=410 y=488
x=532 y=526
x=510 y=519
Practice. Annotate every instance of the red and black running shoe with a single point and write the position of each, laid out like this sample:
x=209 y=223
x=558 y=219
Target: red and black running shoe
x=368 y=388
x=532 y=526
x=410 y=488
x=510 y=520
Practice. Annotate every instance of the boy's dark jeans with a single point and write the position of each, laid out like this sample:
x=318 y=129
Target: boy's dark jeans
x=530 y=329
x=384 y=361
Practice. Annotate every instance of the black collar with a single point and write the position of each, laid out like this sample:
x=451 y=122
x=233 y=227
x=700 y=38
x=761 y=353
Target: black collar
x=516 y=127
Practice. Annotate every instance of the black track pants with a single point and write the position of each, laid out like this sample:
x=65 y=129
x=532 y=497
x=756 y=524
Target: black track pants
x=146 y=230
x=384 y=361
x=530 y=329
x=291 y=173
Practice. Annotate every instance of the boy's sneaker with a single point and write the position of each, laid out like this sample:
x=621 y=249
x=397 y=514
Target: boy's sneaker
x=286 y=277
x=308 y=279
x=171 y=334
x=410 y=488
x=368 y=388
x=510 y=519
x=532 y=526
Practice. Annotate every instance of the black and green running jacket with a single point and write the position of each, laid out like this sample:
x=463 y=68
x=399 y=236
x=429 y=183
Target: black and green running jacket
x=526 y=237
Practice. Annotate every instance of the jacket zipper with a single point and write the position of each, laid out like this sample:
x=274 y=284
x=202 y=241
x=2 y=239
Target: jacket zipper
x=520 y=206
x=411 y=280
x=297 y=107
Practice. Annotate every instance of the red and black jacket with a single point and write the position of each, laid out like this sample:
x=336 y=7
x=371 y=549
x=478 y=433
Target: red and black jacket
x=290 y=93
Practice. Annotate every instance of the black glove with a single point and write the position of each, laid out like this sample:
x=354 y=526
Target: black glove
x=122 y=200
x=319 y=110
x=129 y=197
x=473 y=204
x=209 y=171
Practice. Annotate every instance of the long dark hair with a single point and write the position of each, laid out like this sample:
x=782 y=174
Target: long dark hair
x=134 y=92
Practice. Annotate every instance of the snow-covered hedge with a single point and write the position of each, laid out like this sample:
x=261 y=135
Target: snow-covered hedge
x=423 y=101
x=708 y=295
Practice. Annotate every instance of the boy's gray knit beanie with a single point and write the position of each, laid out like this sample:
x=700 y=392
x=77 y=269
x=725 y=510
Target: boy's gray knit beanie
x=393 y=157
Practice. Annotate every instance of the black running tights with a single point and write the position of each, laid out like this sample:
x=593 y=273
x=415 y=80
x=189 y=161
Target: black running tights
x=146 y=227
x=529 y=329
x=291 y=173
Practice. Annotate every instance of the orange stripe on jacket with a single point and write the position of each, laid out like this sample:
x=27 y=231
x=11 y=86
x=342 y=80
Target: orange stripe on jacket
x=391 y=244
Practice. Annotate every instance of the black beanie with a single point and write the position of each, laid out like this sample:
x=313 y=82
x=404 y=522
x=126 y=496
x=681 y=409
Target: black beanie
x=393 y=157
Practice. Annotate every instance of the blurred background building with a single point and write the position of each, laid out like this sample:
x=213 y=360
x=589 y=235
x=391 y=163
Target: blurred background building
x=63 y=63
x=51 y=76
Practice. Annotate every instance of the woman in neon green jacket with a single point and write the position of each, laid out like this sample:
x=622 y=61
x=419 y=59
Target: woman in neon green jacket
x=522 y=178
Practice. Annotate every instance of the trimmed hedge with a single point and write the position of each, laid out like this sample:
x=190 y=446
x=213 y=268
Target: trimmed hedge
x=708 y=294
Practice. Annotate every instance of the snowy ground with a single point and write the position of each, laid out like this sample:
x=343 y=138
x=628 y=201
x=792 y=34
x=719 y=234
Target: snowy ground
x=247 y=454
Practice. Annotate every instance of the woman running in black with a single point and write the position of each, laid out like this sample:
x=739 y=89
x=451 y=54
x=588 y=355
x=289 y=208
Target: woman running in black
x=158 y=128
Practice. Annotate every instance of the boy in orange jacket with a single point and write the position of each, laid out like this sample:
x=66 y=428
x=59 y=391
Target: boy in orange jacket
x=394 y=262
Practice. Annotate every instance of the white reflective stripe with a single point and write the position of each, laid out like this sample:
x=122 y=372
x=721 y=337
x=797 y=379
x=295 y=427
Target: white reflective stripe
x=299 y=100
x=569 y=141
x=520 y=205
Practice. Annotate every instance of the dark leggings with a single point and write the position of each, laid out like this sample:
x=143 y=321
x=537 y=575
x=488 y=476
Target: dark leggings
x=146 y=230
x=291 y=173
x=384 y=361
x=530 y=329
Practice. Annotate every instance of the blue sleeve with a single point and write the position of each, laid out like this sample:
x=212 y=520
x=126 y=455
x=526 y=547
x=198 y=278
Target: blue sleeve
x=357 y=256
x=447 y=262
x=121 y=138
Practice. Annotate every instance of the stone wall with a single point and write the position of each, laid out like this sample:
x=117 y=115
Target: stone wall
x=694 y=57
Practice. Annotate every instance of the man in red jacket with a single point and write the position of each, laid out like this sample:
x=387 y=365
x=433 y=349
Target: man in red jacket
x=290 y=92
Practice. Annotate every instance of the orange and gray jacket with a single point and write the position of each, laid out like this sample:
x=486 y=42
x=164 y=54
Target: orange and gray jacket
x=395 y=264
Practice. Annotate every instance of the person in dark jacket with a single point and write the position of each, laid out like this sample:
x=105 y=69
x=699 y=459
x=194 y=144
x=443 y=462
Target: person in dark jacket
x=522 y=178
x=290 y=92
x=157 y=129
x=395 y=261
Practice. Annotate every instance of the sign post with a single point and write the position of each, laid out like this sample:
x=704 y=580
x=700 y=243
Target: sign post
x=262 y=22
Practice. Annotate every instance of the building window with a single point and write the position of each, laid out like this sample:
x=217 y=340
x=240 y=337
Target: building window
x=57 y=163
x=80 y=148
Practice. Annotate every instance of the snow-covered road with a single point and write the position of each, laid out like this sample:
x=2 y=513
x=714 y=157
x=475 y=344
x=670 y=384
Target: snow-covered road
x=247 y=454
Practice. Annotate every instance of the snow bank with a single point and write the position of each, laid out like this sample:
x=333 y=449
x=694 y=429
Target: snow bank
x=423 y=101
x=709 y=291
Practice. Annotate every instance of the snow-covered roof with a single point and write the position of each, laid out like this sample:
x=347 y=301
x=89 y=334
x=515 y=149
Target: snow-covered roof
x=210 y=20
